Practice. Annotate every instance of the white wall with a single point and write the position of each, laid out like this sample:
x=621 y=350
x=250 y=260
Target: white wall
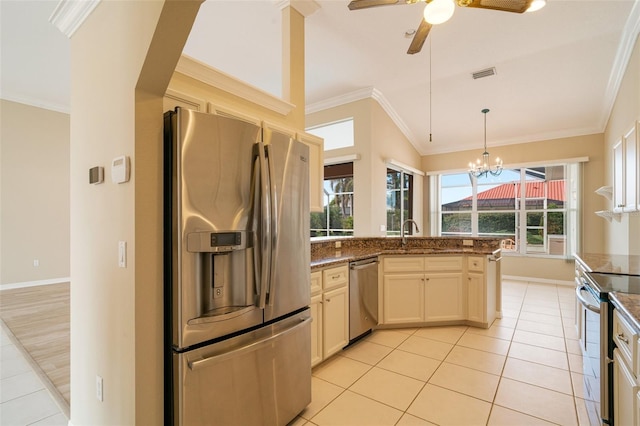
x=623 y=237
x=34 y=195
x=122 y=58
x=376 y=138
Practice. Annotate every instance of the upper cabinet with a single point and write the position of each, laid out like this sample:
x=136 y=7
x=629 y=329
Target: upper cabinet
x=316 y=169
x=631 y=172
x=173 y=99
x=626 y=172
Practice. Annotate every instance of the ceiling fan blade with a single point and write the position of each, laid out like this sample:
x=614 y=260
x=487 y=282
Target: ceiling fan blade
x=419 y=37
x=364 y=4
x=516 y=6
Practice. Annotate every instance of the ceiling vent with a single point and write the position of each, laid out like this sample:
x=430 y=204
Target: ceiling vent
x=484 y=73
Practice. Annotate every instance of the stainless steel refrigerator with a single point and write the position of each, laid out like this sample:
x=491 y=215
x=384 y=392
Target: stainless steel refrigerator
x=237 y=259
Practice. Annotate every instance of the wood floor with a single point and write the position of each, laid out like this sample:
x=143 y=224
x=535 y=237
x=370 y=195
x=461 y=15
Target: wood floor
x=38 y=317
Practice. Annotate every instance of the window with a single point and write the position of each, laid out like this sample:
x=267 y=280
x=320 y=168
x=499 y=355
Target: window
x=337 y=217
x=534 y=209
x=336 y=135
x=399 y=200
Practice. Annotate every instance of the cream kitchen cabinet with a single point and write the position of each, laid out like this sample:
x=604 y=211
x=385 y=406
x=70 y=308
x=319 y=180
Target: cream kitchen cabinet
x=438 y=289
x=625 y=372
x=403 y=296
x=626 y=172
x=316 y=329
x=329 y=312
x=422 y=289
x=316 y=170
x=625 y=391
x=481 y=289
x=444 y=298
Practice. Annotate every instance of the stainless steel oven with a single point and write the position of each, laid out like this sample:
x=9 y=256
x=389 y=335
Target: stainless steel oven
x=596 y=323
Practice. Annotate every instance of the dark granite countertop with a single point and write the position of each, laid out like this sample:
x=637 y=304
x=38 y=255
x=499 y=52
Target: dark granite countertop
x=629 y=306
x=609 y=263
x=325 y=254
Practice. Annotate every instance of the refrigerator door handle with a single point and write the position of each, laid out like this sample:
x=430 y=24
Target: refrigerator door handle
x=265 y=234
x=274 y=227
x=234 y=353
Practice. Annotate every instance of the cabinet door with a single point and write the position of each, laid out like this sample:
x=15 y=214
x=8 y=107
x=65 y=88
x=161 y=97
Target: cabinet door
x=444 y=298
x=631 y=170
x=624 y=392
x=316 y=282
x=403 y=296
x=618 y=176
x=173 y=99
x=335 y=316
x=475 y=293
x=316 y=169
x=316 y=329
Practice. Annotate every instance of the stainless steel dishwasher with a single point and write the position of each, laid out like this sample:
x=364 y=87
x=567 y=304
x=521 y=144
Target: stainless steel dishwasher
x=363 y=297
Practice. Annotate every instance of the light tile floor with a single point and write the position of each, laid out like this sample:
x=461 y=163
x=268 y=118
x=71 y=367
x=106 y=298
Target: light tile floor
x=24 y=400
x=524 y=370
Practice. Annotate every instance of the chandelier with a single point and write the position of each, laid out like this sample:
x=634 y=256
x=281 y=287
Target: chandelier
x=481 y=167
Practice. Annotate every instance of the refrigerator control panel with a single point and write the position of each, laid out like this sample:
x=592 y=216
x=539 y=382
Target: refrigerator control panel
x=198 y=242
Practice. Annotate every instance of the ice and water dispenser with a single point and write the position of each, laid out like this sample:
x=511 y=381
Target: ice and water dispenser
x=224 y=272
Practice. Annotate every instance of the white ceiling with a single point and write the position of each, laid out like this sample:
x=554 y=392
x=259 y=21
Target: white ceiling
x=557 y=69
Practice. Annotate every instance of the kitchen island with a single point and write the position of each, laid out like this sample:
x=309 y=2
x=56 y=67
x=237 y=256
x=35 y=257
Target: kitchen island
x=425 y=282
x=335 y=251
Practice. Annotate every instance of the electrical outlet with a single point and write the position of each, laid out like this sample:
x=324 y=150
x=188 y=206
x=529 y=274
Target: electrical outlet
x=99 y=389
x=36 y=263
x=338 y=244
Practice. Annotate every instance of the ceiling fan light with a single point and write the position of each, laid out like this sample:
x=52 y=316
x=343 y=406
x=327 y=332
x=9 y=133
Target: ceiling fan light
x=438 y=11
x=536 y=5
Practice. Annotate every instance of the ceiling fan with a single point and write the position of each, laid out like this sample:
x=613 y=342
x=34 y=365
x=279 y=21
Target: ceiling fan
x=439 y=11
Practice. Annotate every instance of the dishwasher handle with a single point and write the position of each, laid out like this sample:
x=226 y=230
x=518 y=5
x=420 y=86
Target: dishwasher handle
x=355 y=266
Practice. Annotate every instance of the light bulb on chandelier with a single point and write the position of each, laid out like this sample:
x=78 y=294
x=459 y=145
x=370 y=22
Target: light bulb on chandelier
x=482 y=167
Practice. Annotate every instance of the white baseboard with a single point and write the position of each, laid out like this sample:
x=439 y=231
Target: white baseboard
x=538 y=280
x=34 y=283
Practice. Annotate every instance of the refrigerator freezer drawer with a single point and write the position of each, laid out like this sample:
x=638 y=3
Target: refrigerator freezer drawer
x=259 y=378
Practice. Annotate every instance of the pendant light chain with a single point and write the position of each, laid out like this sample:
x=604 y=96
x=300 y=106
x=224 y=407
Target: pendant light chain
x=430 y=133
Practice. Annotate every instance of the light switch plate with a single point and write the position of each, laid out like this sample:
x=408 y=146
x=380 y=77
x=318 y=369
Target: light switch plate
x=122 y=254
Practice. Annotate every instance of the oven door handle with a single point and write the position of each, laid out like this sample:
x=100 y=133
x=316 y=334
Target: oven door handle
x=584 y=302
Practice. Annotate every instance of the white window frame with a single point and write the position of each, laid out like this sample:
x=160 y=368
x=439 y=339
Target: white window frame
x=573 y=202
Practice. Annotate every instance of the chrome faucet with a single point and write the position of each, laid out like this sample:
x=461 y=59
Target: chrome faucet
x=404 y=238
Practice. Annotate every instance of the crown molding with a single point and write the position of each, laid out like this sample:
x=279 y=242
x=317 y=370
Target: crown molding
x=69 y=15
x=216 y=78
x=305 y=7
x=621 y=61
x=365 y=93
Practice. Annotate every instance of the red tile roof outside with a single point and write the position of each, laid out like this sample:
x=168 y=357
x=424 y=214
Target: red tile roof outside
x=555 y=191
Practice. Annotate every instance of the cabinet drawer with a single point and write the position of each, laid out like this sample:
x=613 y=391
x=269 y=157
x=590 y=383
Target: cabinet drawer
x=403 y=264
x=316 y=282
x=335 y=277
x=625 y=339
x=443 y=263
x=475 y=263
